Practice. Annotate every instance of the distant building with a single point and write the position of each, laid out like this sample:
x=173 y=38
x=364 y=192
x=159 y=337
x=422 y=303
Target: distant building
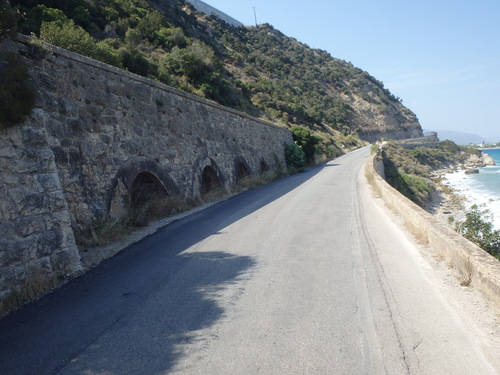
x=208 y=9
x=430 y=134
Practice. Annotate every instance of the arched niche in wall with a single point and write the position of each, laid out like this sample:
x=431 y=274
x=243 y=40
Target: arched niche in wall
x=146 y=186
x=210 y=178
x=241 y=167
x=264 y=167
x=138 y=180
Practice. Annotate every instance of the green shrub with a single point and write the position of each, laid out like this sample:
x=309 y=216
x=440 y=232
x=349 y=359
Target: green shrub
x=169 y=37
x=193 y=62
x=478 y=228
x=106 y=53
x=294 y=156
x=68 y=35
x=449 y=146
x=405 y=173
x=306 y=141
x=332 y=151
x=17 y=96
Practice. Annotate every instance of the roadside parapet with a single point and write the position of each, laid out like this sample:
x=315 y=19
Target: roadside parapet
x=475 y=266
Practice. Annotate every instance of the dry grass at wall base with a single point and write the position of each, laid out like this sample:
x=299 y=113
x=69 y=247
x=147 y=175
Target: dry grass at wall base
x=466 y=278
x=104 y=231
x=36 y=283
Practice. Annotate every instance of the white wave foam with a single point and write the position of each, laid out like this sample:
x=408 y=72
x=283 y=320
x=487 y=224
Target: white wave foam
x=476 y=192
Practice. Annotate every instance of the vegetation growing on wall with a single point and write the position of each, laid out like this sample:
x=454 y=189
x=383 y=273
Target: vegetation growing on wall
x=257 y=70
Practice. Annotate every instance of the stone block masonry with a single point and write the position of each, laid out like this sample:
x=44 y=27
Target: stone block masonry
x=100 y=137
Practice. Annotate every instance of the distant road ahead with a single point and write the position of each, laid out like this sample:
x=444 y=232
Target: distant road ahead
x=304 y=276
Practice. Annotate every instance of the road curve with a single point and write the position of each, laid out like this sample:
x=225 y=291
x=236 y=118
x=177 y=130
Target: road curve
x=304 y=276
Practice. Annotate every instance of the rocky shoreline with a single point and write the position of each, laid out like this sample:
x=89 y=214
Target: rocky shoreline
x=446 y=203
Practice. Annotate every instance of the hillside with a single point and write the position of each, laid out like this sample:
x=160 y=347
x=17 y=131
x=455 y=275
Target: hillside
x=257 y=70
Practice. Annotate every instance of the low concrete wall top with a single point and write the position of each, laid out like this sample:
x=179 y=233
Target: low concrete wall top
x=472 y=262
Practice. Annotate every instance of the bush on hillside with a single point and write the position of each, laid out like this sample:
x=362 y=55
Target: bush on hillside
x=68 y=35
x=306 y=141
x=405 y=173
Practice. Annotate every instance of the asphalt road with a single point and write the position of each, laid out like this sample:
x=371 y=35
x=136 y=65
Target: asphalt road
x=304 y=276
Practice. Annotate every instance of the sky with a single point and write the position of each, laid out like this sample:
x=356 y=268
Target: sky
x=442 y=57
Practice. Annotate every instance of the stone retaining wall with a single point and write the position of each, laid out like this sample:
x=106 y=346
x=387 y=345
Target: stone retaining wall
x=467 y=258
x=97 y=133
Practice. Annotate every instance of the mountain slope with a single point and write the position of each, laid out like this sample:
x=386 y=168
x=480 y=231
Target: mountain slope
x=257 y=70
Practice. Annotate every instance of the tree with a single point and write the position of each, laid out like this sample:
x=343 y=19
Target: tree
x=306 y=141
x=478 y=228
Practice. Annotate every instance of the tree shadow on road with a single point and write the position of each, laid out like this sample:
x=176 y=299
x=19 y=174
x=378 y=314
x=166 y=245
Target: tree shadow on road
x=137 y=325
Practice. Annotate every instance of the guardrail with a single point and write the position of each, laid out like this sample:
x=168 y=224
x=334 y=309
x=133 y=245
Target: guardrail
x=473 y=263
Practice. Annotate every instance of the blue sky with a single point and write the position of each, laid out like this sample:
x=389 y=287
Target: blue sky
x=442 y=57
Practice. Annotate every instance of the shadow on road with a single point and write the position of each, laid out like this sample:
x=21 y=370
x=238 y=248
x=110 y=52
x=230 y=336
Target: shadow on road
x=143 y=296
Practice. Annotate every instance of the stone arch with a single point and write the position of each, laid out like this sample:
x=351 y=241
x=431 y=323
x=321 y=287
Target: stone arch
x=209 y=180
x=145 y=187
x=210 y=176
x=241 y=168
x=137 y=181
x=264 y=167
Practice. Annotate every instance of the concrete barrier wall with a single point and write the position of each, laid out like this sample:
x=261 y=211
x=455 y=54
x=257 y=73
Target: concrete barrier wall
x=467 y=258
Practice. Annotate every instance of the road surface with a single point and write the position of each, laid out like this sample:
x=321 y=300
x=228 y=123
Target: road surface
x=308 y=275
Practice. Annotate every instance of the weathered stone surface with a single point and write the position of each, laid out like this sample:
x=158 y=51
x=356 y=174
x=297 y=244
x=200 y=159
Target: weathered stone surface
x=471 y=171
x=94 y=130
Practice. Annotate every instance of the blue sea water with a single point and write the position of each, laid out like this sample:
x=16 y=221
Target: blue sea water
x=482 y=188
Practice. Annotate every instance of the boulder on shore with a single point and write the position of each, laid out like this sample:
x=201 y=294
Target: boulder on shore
x=471 y=170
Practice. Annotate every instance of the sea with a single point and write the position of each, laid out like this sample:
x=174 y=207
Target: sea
x=482 y=188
